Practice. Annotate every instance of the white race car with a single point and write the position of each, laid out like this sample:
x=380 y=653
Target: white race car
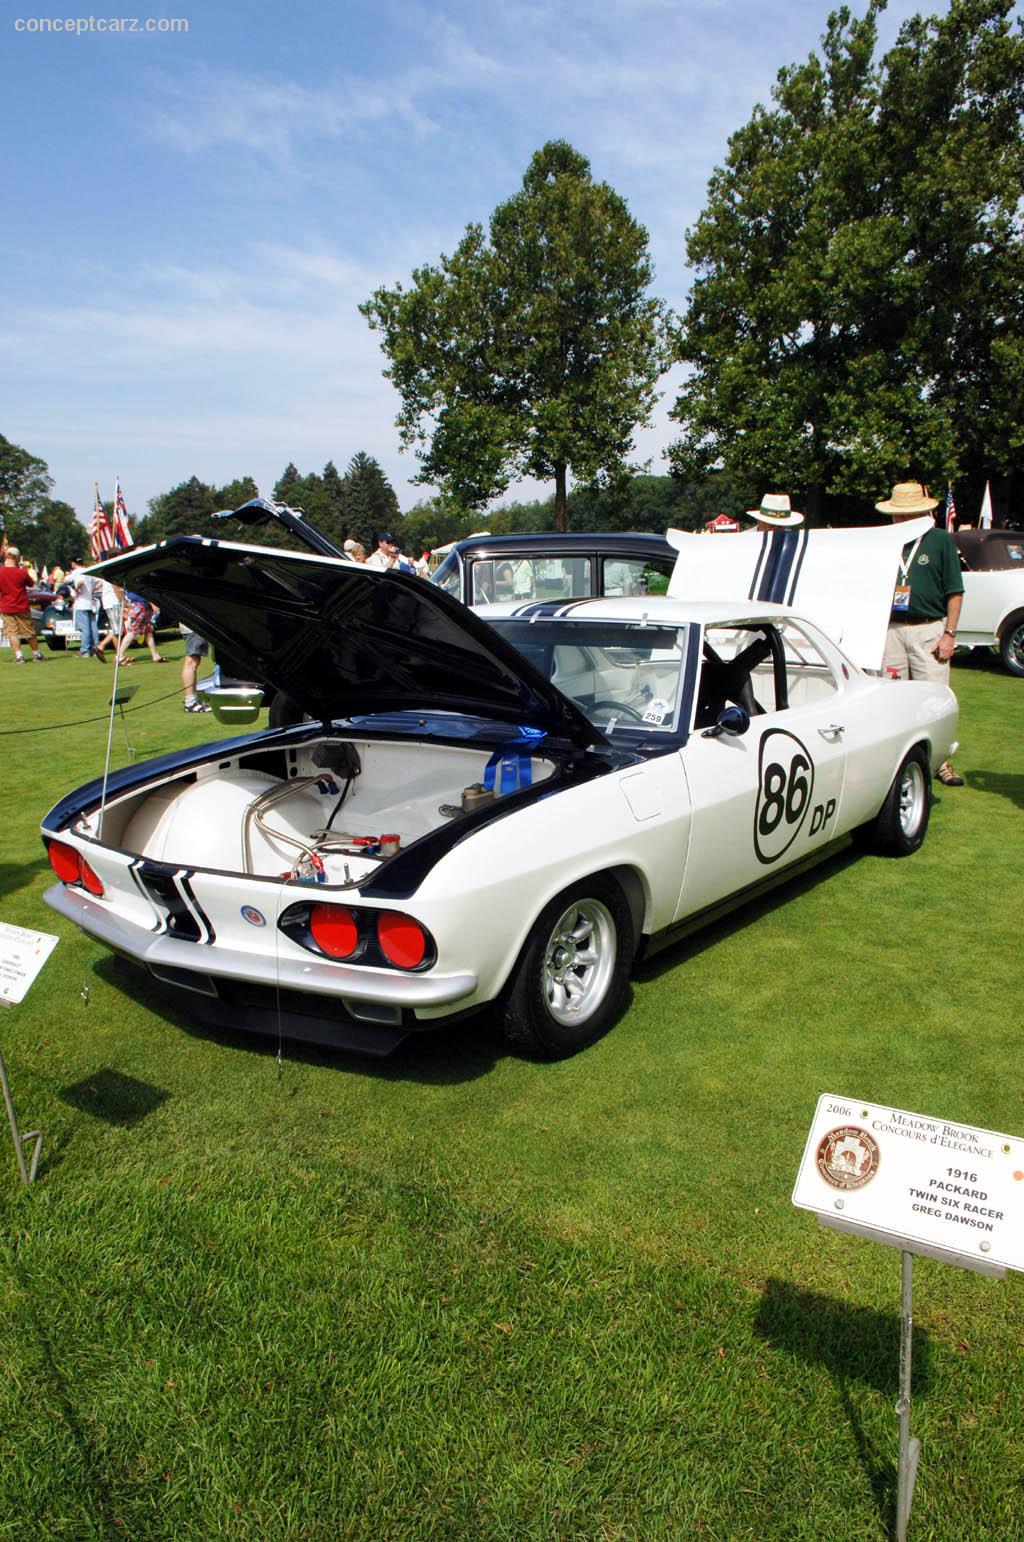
x=505 y=812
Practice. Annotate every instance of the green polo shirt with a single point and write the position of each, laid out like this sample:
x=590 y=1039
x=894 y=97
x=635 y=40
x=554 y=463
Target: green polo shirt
x=934 y=575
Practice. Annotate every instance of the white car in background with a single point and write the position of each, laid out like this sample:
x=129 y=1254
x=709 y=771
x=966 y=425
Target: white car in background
x=993 y=610
x=476 y=814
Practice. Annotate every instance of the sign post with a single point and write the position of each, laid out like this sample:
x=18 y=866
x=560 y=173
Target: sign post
x=910 y=1449
x=924 y=1185
x=20 y=1141
x=22 y=955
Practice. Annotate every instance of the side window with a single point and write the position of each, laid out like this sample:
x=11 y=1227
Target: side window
x=634 y=575
x=482 y=586
x=771 y=668
x=622 y=576
x=657 y=573
x=737 y=668
x=529 y=578
x=809 y=676
x=550 y=578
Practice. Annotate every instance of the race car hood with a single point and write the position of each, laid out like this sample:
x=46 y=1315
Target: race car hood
x=344 y=640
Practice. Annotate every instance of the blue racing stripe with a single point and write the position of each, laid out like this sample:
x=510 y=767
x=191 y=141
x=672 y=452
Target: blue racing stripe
x=539 y=608
x=776 y=572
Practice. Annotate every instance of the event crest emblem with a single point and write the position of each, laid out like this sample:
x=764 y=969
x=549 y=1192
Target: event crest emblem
x=847 y=1158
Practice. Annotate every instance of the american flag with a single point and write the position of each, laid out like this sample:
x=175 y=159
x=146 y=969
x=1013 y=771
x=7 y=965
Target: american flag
x=102 y=539
x=950 y=510
x=122 y=529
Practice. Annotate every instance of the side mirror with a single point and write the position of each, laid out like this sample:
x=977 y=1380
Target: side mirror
x=733 y=721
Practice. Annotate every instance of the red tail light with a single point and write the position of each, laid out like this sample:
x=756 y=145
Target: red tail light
x=66 y=862
x=402 y=940
x=91 y=880
x=334 y=929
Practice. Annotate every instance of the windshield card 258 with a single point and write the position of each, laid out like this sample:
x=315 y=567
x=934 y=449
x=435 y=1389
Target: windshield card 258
x=915 y=1179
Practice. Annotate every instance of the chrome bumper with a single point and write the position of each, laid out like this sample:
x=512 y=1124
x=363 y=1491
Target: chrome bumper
x=347 y=983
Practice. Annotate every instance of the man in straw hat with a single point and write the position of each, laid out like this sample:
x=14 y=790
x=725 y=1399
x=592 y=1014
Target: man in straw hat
x=775 y=513
x=926 y=602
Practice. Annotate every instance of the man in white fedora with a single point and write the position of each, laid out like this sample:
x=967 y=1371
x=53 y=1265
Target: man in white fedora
x=926 y=601
x=775 y=513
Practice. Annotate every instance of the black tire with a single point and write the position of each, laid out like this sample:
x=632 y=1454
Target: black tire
x=1011 y=646
x=57 y=644
x=540 y=1018
x=901 y=824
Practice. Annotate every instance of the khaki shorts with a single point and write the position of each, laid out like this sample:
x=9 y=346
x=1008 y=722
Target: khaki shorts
x=19 y=627
x=910 y=651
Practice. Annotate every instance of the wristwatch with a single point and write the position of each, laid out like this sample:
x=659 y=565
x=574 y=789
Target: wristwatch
x=948 y=632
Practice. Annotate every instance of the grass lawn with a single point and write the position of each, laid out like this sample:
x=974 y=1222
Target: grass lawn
x=459 y=1295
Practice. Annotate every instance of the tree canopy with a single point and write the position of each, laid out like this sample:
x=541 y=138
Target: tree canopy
x=857 y=312
x=534 y=349
x=46 y=530
x=360 y=504
x=188 y=509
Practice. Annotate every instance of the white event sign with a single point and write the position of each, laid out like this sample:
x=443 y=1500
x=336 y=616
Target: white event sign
x=22 y=955
x=922 y=1184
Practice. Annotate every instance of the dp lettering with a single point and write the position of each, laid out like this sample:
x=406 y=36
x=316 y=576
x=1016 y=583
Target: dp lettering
x=822 y=814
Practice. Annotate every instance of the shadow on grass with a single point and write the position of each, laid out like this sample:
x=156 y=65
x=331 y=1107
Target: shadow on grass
x=451 y=1053
x=18 y=875
x=857 y=1346
x=998 y=783
x=752 y=910
x=981 y=660
x=113 y=1097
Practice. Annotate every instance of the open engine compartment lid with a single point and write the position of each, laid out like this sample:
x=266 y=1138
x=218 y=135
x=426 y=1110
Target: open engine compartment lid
x=341 y=639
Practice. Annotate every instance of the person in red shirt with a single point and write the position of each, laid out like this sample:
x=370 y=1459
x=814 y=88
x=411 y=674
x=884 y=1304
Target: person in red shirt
x=15 y=609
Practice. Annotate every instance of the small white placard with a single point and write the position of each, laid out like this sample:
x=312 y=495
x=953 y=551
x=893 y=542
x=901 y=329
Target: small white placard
x=22 y=955
x=915 y=1180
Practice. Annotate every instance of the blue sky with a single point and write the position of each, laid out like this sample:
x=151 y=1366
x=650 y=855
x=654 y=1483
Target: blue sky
x=191 y=219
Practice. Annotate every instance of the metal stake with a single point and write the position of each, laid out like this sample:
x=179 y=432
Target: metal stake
x=910 y=1449
x=27 y=1174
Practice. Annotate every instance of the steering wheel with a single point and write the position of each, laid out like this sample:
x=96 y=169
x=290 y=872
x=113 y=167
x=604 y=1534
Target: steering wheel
x=619 y=709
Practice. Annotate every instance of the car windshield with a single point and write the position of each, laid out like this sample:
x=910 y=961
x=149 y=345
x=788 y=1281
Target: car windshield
x=623 y=677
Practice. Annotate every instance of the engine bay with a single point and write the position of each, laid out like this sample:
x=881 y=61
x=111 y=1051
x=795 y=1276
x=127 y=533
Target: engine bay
x=328 y=811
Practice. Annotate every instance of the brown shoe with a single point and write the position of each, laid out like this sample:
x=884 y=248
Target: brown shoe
x=947 y=776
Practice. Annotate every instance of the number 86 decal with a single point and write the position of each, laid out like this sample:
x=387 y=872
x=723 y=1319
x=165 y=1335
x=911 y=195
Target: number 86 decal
x=785 y=785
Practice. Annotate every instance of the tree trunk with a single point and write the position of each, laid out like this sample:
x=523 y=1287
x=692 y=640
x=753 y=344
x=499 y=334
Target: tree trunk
x=561 y=521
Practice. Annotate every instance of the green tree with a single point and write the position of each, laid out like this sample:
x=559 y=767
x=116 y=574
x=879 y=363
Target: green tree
x=55 y=535
x=369 y=502
x=184 y=510
x=233 y=494
x=46 y=530
x=434 y=522
x=189 y=509
x=25 y=484
x=533 y=350
x=289 y=486
x=856 y=314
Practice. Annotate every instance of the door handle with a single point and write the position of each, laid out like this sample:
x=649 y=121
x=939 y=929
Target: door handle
x=833 y=731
